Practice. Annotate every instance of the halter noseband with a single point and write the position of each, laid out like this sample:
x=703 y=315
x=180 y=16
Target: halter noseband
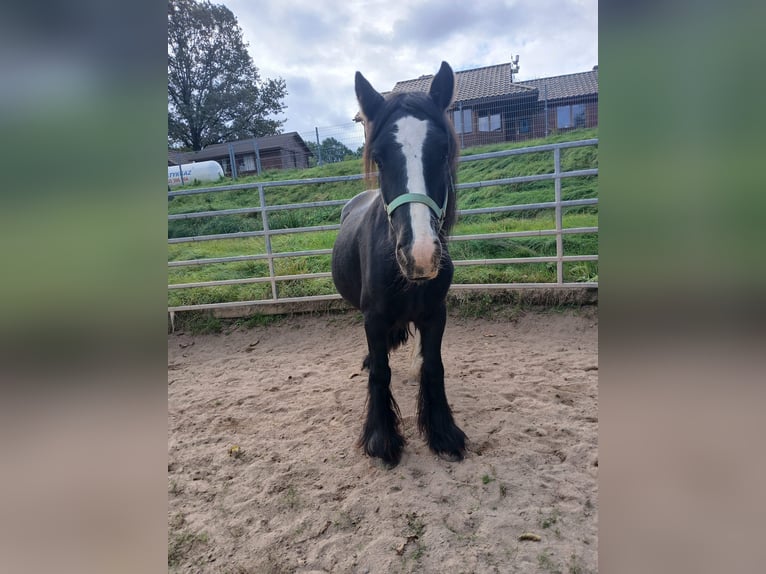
x=419 y=198
x=440 y=212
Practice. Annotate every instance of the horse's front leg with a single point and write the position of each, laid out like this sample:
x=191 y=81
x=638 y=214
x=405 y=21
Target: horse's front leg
x=434 y=415
x=381 y=436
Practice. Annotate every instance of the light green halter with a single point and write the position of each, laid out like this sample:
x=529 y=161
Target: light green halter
x=419 y=198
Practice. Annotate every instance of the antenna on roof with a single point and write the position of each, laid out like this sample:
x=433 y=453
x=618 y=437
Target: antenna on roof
x=514 y=66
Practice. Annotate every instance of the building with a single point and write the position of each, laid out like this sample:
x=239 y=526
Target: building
x=174 y=157
x=491 y=107
x=282 y=151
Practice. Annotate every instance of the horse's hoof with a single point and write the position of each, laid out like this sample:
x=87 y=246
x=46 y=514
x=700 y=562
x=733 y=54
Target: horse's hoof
x=387 y=449
x=450 y=456
x=449 y=446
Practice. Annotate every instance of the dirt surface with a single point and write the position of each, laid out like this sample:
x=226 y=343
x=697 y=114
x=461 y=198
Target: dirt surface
x=264 y=475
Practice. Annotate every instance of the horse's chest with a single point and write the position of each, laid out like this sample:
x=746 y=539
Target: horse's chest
x=412 y=301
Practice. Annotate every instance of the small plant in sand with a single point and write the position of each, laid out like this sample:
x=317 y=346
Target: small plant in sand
x=413 y=533
x=576 y=566
x=486 y=479
x=174 y=488
x=549 y=520
x=182 y=544
x=291 y=499
x=415 y=525
x=344 y=521
x=546 y=563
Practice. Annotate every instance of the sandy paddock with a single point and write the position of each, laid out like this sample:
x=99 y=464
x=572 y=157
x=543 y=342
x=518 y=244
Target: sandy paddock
x=296 y=495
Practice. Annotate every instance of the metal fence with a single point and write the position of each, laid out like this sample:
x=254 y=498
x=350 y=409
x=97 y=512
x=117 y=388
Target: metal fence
x=559 y=231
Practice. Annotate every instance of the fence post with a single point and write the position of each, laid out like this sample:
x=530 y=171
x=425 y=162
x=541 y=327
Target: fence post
x=319 y=148
x=545 y=91
x=232 y=162
x=267 y=240
x=559 y=216
x=257 y=156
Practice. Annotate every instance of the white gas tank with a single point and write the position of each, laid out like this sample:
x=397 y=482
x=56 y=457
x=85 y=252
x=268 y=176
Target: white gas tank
x=199 y=171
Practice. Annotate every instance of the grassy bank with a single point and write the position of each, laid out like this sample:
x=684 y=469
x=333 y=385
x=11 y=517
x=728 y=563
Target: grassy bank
x=534 y=192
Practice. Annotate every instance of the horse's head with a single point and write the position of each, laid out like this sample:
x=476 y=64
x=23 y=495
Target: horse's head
x=412 y=144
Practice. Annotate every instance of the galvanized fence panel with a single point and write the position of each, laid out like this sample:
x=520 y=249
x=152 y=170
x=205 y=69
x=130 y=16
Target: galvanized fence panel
x=559 y=231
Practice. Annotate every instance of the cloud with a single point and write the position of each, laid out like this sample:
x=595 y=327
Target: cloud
x=317 y=46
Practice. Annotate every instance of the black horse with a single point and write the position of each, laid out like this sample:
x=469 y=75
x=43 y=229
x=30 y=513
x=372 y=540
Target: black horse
x=390 y=259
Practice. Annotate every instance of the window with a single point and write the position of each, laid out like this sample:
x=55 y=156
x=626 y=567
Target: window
x=490 y=123
x=578 y=114
x=564 y=117
x=524 y=126
x=463 y=121
x=246 y=163
x=570 y=116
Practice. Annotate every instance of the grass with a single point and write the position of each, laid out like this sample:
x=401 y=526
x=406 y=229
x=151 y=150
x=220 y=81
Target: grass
x=549 y=520
x=486 y=479
x=198 y=323
x=546 y=563
x=174 y=488
x=344 y=521
x=415 y=530
x=415 y=525
x=574 y=565
x=291 y=499
x=182 y=542
x=529 y=220
x=260 y=321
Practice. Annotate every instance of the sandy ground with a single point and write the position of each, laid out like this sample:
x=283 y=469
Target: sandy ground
x=298 y=496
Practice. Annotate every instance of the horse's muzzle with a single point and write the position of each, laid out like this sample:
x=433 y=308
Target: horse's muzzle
x=419 y=264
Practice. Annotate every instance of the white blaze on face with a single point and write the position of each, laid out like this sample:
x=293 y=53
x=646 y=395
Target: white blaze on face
x=411 y=135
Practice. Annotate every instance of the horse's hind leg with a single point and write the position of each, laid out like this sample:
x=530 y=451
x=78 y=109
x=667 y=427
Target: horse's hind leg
x=381 y=436
x=434 y=415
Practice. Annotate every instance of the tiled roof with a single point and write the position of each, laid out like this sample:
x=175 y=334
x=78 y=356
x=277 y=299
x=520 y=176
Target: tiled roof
x=288 y=140
x=567 y=86
x=495 y=81
x=488 y=82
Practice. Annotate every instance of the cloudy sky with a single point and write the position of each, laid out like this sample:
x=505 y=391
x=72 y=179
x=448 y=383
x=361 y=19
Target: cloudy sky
x=318 y=45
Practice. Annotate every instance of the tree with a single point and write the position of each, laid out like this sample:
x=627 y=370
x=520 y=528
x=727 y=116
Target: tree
x=215 y=93
x=331 y=151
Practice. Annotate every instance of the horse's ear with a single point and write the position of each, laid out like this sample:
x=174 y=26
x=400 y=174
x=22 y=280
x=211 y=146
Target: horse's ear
x=443 y=86
x=370 y=101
